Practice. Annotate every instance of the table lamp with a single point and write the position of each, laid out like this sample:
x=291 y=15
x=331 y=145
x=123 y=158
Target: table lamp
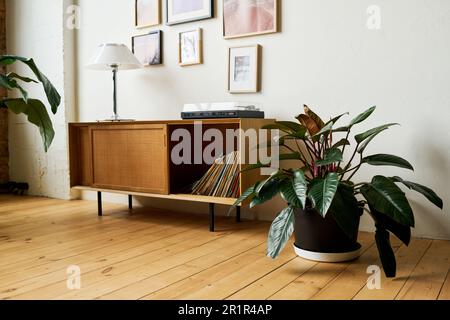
x=114 y=57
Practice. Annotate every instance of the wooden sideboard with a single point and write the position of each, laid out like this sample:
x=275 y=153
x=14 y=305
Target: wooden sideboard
x=133 y=158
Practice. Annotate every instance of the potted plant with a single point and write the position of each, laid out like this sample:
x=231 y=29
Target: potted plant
x=324 y=204
x=34 y=109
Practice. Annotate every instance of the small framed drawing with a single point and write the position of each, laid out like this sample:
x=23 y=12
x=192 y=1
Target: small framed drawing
x=148 y=48
x=181 y=11
x=244 y=69
x=249 y=18
x=190 y=47
x=147 y=13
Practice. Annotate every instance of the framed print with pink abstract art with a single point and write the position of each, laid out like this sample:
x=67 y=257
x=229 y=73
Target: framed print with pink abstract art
x=243 y=18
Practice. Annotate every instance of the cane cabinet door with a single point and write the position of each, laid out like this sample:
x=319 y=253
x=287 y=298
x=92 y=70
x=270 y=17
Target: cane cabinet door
x=130 y=157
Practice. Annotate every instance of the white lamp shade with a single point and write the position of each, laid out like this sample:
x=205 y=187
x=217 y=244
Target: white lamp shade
x=109 y=55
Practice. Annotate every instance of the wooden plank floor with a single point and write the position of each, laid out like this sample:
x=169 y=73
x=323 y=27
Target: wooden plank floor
x=154 y=254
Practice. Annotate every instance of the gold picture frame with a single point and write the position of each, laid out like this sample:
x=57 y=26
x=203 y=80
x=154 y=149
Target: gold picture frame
x=190 y=50
x=275 y=29
x=157 y=21
x=247 y=69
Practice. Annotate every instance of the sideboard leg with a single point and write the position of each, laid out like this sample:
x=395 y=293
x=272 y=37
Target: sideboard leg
x=99 y=204
x=238 y=214
x=130 y=202
x=211 y=217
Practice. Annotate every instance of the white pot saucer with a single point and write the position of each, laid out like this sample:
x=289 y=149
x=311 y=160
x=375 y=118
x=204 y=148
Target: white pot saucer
x=327 y=257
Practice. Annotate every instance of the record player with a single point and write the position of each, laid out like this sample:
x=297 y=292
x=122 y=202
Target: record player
x=222 y=110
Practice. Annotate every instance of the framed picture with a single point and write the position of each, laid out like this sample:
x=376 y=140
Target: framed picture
x=181 y=11
x=190 y=47
x=243 y=18
x=147 y=13
x=243 y=69
x=148 y=48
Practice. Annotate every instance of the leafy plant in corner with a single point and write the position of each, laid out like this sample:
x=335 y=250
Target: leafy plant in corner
x=323 y=181
x=34 y=109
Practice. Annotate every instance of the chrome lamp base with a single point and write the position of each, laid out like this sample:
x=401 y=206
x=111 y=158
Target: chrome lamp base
x=115 y=117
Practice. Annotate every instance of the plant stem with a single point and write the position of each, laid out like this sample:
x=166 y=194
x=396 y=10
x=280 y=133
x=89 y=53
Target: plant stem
x=360 y=184
x=350 y=170
x=309 y=152
x=343 y=149
x=312 y=147
x=305 y=161
x=317 y=153
x=351 y=159
x=289 y=148
x=357 y=168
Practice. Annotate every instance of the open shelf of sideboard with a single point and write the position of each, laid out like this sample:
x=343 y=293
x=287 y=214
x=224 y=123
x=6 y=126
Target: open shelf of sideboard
x=180 y=197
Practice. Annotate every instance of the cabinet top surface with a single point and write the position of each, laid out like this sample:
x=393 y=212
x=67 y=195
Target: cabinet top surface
x=169 y=122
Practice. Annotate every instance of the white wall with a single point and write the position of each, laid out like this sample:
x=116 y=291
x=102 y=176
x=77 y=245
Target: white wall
x=35 y=29
x=324 y=56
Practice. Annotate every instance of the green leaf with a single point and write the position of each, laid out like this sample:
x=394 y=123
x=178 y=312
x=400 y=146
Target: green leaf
x=340 y=143
x=383 y=195
x=425 y=191
x=362 y=147
x=24 y=79
x=288 y=194
x=10 y=84
x=300 y=186
x=247 y=194
x=274 y=126
x=6 y=82
x=387 y=255
x=255 y=166
x=296 y=135
x=37 y=115
x=402 y=232
x=387 y=160
x=289 y=127
x=7 y=60
x=290 y=156
x=280 y=232
x=52 y=94
x=261 y=184
x=325 y=130
x=269 y=144
x=293 y=126
x=267 y=192
x=322 y=192
x=373 y=132
x=23 y=93
x=336 y=119
x=341 y=129
x=331 y=156
x=366 y=142
x=363 y=116
x=345 y=209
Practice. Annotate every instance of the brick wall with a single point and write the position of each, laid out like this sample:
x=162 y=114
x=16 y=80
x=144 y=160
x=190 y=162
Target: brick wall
x=4 y=155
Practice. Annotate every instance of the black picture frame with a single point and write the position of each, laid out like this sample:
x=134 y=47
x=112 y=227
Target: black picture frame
x=161 y=51
x=210 y=15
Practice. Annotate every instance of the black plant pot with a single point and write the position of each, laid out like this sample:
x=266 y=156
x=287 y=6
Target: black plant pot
x=321 y=239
